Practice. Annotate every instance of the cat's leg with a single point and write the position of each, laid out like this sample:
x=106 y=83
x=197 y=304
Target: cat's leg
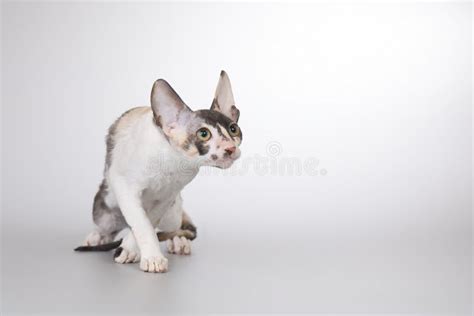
x=177 y=229
x=179 y=241
x=107 y=218
x=94 y=238
x=128 y=252
x=179 y=245
x=129 y=200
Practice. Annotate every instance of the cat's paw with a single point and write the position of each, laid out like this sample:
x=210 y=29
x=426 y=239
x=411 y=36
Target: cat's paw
x=123 y=255
x=157 y=264
x=179 y=245
x=95 y=239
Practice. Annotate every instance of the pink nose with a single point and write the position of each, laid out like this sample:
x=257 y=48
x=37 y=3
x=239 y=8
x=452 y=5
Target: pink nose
x=230 y=150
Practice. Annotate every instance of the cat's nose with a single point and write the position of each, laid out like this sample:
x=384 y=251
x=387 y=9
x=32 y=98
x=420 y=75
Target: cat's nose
x=230 y=150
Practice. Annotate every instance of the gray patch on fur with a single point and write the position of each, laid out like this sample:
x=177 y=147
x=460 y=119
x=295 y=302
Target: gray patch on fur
x=188 y=230
x=201 y=147
x=234 y=112
x=215 y=106
x=219 y=130
x=157 y=120
x=118 y=251
x=213 y=118
x=188 y=142
x=116 y=221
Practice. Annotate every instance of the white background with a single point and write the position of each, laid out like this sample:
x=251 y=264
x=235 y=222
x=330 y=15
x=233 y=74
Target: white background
x=380 y=95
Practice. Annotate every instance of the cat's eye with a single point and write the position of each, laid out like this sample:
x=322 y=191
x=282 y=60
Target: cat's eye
x=203 y=134
x=234 y=129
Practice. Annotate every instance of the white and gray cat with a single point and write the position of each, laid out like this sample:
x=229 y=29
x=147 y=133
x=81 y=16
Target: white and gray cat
x=152 y=153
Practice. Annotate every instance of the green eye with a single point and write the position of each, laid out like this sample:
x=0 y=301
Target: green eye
x=234 y=129
x=203 y=134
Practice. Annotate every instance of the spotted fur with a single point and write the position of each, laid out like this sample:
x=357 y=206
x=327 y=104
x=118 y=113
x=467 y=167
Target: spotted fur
x=146 y=148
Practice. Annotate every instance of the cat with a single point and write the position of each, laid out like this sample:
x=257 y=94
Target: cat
x=152 y=154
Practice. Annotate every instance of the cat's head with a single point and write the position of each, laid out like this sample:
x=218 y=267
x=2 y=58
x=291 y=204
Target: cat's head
x=212 y=136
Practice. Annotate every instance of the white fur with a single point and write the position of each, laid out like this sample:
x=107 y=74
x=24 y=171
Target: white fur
x=93 y=239
x=146 y=178
x=179 y=245
x=150 y=162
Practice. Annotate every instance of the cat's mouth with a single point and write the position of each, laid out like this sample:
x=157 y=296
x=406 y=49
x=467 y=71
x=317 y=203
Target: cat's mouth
x=226 y=162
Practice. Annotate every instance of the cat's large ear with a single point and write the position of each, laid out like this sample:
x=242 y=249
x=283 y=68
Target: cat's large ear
x=168 y=108
x=224 y=99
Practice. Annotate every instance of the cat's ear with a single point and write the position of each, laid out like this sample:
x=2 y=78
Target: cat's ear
x=168 y=108
x=224 y=99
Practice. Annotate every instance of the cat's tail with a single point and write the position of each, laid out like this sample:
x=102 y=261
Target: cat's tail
x=104 y=247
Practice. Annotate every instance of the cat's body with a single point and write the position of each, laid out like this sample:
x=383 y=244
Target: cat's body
x=152 y=154
x=160 y=183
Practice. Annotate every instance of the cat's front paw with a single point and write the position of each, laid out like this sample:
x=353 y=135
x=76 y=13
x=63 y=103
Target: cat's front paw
x=179 y=245
x=158 y=264
x=124 y=255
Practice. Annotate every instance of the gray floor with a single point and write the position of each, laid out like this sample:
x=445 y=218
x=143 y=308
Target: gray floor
x=42 y=275
x=372 y=103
